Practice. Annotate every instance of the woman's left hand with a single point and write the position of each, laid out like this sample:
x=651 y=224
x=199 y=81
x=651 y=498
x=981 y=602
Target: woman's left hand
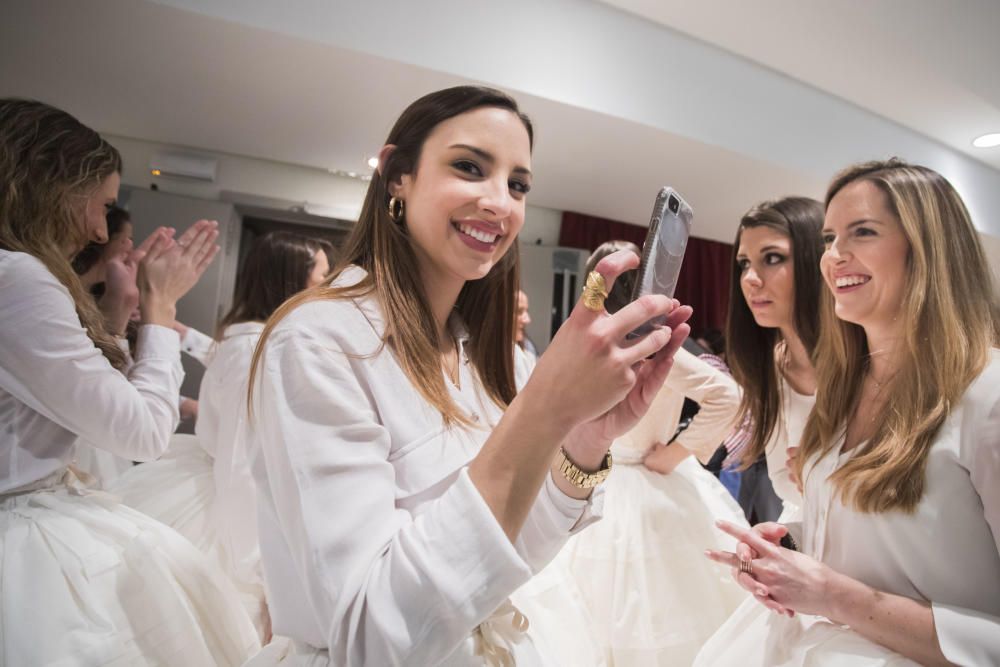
x=598 y=434
x=783 y=580
x=664 y=458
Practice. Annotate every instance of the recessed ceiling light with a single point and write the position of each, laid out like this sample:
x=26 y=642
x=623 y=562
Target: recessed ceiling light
x=987 y=140
x=373 y=162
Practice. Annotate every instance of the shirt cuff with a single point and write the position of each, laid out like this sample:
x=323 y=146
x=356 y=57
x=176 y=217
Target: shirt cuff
x=967 y=637
x=157 y=342
x=574 y=514
x=484 y=567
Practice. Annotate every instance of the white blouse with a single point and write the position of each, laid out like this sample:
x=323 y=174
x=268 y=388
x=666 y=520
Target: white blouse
x=795 y=409
x=222 y=432
x=198 y=346
x=946 y=552
x=55 y=384
x=376 y=546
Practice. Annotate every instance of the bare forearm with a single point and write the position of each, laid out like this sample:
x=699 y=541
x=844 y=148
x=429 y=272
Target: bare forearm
x=116 y=313
x=154 y=309
x=896 y=622
x=511 y=467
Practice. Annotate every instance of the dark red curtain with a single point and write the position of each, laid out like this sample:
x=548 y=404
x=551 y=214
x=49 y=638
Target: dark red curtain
x=704 y=279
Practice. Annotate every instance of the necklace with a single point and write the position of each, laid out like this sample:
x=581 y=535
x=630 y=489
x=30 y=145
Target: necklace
x=450 y=363
x=866 y=427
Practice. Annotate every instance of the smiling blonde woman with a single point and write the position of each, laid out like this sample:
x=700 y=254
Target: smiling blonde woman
x=901 y=456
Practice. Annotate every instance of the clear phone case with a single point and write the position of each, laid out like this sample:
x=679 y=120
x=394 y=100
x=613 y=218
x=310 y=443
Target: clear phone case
x=663 y=251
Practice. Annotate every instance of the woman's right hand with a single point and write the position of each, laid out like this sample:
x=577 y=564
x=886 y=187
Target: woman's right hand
x=768 y=531
x=171 y=268
x=591 y=367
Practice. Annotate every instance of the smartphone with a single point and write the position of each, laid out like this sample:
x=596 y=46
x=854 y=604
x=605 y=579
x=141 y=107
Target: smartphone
x=663 y=251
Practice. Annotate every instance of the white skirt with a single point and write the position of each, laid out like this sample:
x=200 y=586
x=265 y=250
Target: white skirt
x=500 y=641
x=179 y=490
x=754 y=636
x=104 y=466
x=653 y=595
x=88 y=581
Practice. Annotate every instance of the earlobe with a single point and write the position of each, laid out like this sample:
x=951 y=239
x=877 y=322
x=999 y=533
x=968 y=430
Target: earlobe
x=395 y=187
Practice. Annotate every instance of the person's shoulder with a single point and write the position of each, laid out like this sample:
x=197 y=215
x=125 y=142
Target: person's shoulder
x=23 y=265
x=349 y=320
x=28 y=276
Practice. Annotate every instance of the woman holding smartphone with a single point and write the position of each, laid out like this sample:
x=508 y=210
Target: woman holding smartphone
x=900 y=559
x=407 y=485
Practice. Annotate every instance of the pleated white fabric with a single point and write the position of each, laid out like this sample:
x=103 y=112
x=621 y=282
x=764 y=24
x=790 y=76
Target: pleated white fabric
x=754 y=636
x=85 y=580
x=653 y=596
x=179 y=490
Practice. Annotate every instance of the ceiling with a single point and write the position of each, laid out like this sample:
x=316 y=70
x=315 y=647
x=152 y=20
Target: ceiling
x=929 y=65
x=152 y=71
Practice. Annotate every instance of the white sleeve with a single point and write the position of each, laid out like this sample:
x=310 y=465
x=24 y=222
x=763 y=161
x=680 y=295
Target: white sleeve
x=385 y=586
x=552 y=520
x=197 y=345
x=554 y=516
x=716 y=393
x=966 y=636
x=48 y=362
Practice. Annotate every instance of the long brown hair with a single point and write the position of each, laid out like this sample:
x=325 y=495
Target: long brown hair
x=49 y=163
x=276 y=268
x=750 y=348
x=949 y=323
x=383 y=249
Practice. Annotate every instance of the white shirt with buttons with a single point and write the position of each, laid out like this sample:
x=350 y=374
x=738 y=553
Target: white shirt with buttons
x=377 y=548
x=947 y=552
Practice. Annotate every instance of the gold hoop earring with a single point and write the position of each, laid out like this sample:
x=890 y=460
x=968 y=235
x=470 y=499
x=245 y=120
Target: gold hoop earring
x=396 y=209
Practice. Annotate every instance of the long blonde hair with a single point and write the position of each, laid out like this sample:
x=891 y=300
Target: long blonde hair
x=949 y=320
x=383 y=249
x=49 y=164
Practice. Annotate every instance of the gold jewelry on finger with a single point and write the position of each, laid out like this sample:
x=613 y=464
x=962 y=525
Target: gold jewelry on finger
x=746 y=566
x=595 y=291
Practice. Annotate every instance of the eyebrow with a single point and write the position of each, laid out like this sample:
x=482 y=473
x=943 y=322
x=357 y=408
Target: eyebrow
x=485 y=155
x=854 y=224
x=766 y=248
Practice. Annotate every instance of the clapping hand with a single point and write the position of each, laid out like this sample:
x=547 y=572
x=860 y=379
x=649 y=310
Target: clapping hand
x=169 y=269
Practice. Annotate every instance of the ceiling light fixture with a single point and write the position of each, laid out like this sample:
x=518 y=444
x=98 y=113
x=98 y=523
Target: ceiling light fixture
x=373 y=162
x=987 y=140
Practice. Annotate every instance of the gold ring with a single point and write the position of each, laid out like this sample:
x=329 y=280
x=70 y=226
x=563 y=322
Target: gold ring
x=746 y=566
x=595 y=291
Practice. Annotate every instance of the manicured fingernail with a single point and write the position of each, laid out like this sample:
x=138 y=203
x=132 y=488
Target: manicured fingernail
x=761 y=592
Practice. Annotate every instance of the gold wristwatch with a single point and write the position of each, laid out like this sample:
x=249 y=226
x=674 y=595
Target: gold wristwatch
x=579 y=478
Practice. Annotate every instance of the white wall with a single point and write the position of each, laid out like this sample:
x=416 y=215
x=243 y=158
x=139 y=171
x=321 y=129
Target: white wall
x=322 y=192
x=337 y=196
x=992 y=246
